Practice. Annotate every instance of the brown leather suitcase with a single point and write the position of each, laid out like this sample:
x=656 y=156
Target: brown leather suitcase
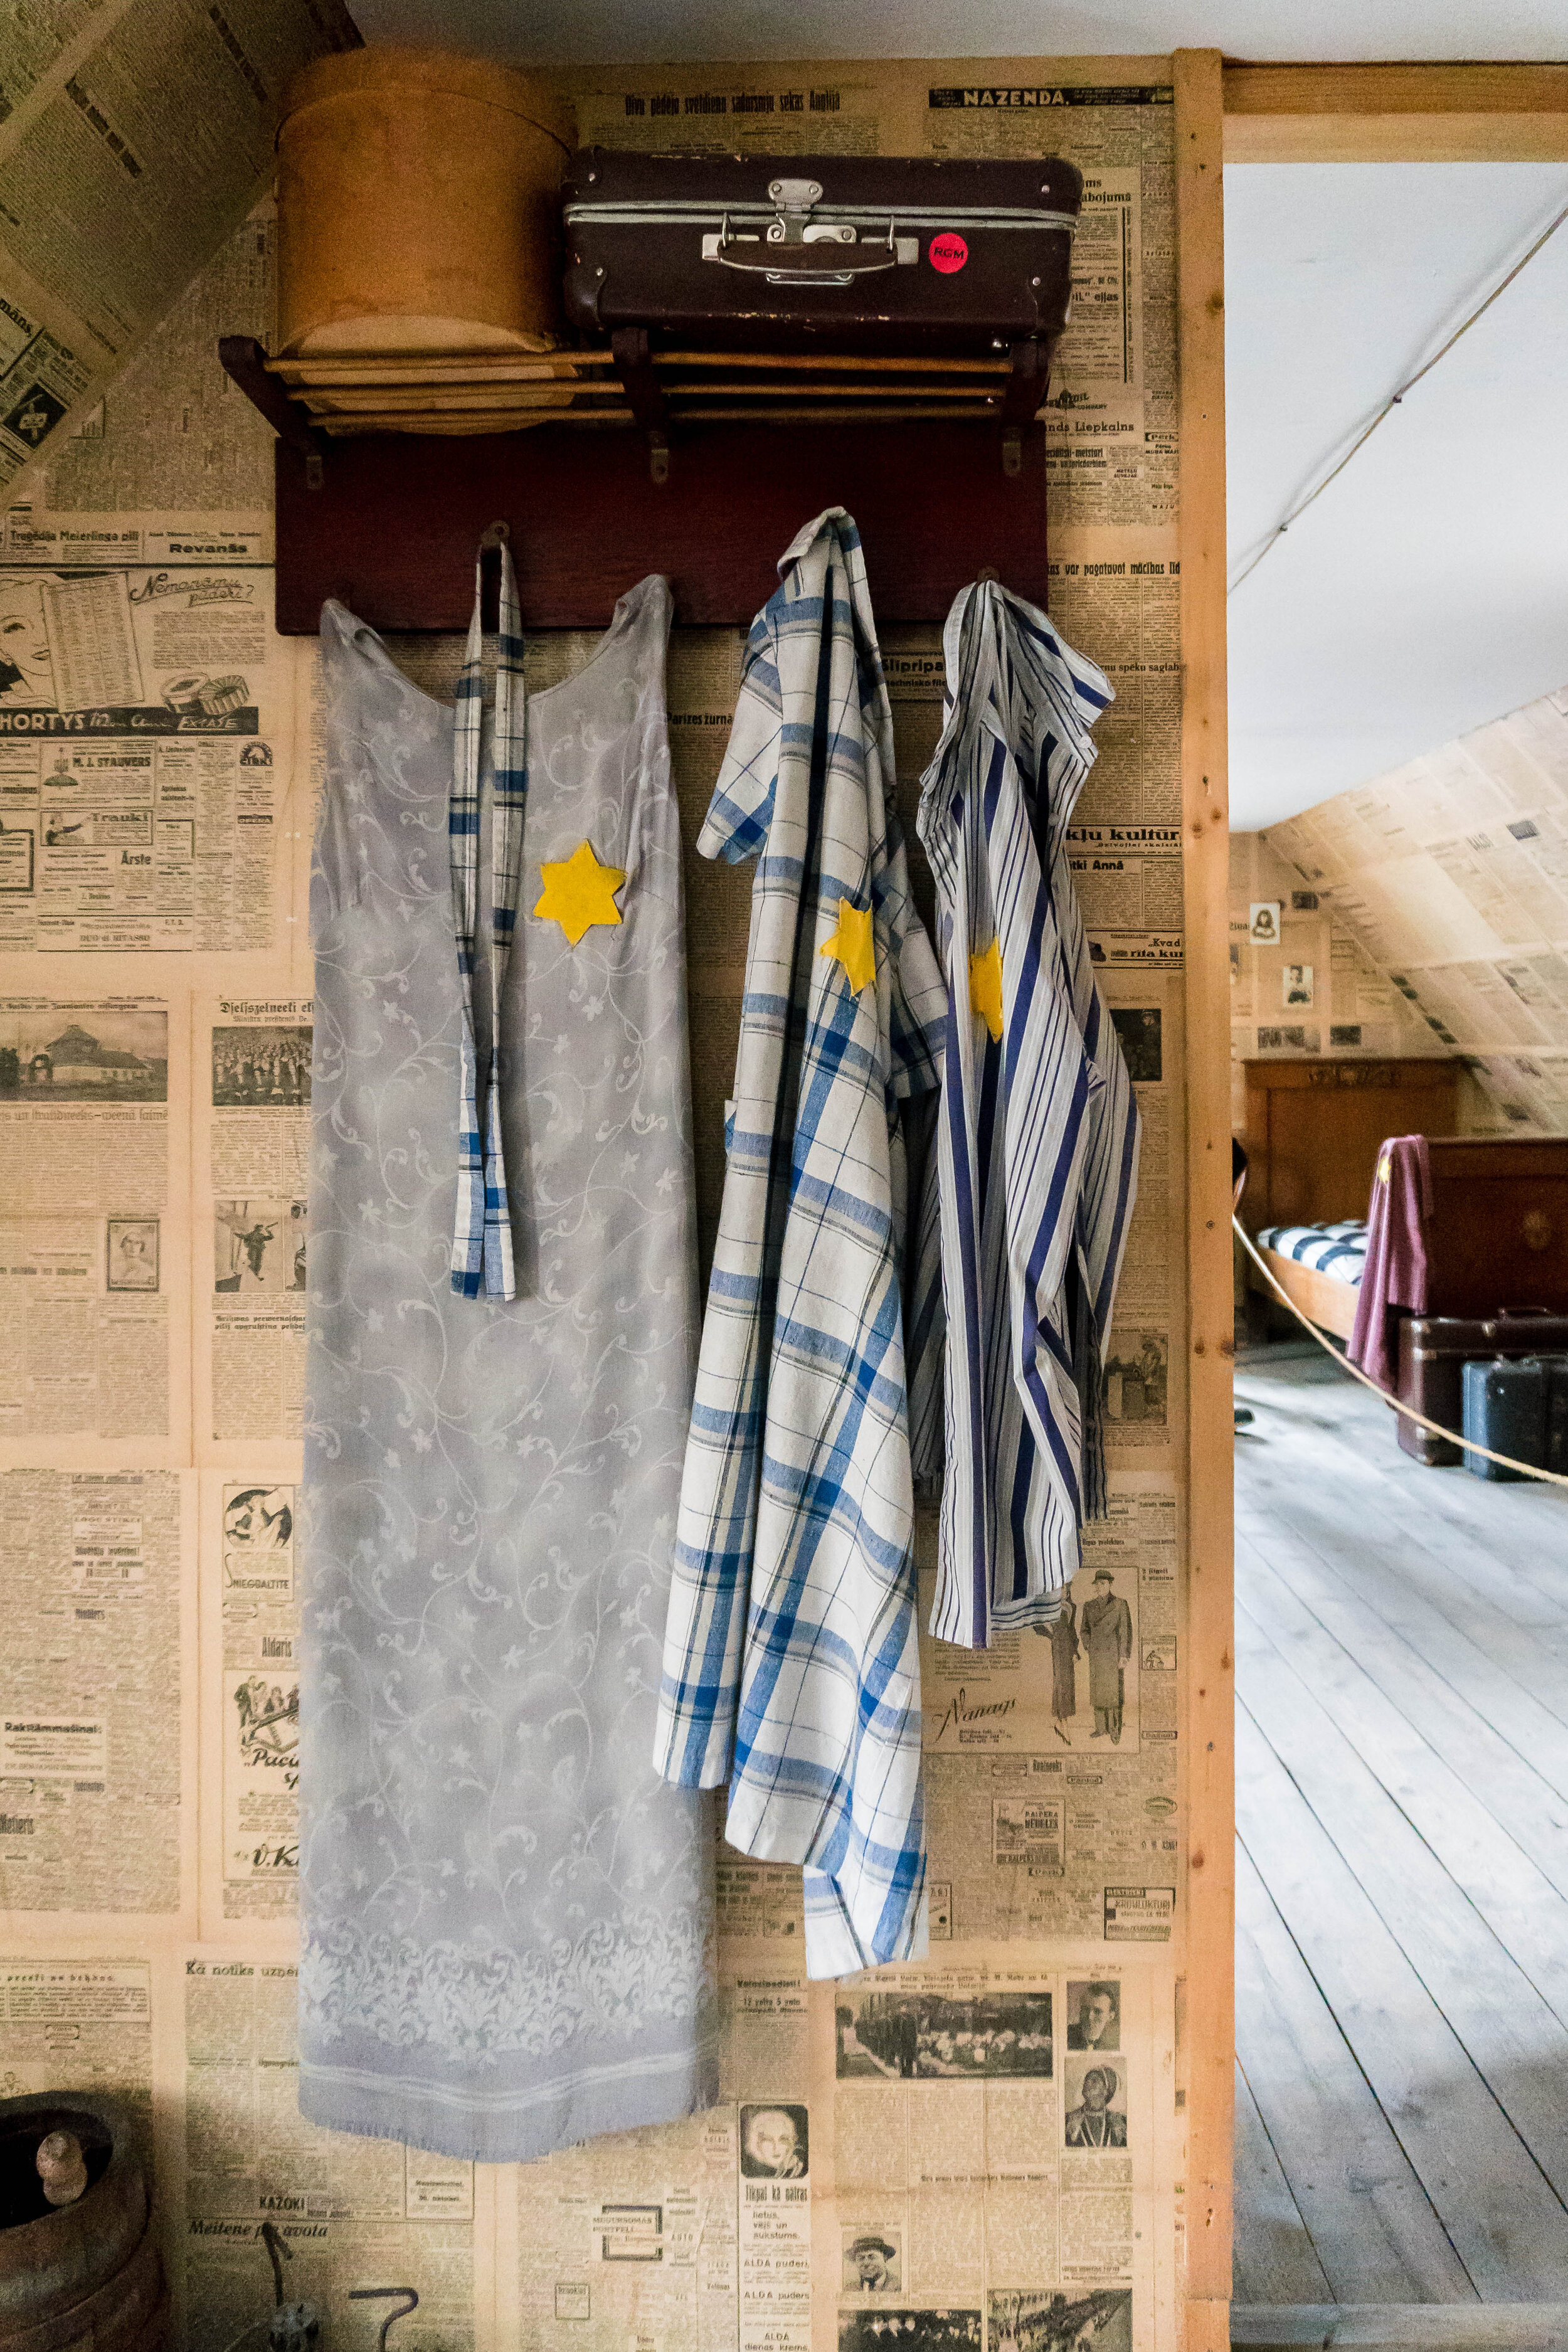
x=1433 y=1352
x=852 y=254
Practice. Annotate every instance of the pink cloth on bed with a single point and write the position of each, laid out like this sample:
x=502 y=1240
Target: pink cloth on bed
x=1395 y=1273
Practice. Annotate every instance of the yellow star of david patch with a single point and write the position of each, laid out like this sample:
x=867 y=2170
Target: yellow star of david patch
x=851 y=945
x=579 y=892
x=985 y=988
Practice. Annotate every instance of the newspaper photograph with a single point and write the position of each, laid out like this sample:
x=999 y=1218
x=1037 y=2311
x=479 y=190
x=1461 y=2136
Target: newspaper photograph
x=146 y=743
x=94 y=1323
x=96 y=1754
x=350 y=2212
x=254 y=1072
x=250 y=1695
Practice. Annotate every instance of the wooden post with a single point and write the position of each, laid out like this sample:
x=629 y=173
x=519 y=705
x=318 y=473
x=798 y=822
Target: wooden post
x=1208 y=1688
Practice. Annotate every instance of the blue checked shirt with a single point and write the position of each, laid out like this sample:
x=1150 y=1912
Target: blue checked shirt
x=790 y=1665
x=1037 y=1161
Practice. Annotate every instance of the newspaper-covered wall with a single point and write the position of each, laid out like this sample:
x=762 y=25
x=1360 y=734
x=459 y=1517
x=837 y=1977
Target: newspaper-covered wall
x=1451 y=875
x=134 y=137
x=1301 y=983
x=984 y=2151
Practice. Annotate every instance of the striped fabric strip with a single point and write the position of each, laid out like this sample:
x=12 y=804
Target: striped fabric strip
x=1037 y=1145
x=791 y=1664
x=1339 y=1250
x=481 y=1238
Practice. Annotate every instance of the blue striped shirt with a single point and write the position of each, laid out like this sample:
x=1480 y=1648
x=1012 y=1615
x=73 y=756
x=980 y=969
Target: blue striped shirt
x=792 y=1664
x=1037 y=1161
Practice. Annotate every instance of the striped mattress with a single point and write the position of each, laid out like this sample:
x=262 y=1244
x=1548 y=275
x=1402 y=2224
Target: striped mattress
x=1336 y=1250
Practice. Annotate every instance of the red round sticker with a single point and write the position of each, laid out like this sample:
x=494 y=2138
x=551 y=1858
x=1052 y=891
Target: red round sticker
x=949 y=251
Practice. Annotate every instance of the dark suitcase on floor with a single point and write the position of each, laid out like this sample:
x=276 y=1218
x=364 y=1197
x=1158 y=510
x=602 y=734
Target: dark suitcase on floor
x=1433 y=1351
x=1505 y=1408
x=855 y=254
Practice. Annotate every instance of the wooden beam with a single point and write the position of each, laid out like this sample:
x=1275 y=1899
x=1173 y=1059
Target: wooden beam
x=1396 y=2326
x=1395 y=113
x=1208 y=1687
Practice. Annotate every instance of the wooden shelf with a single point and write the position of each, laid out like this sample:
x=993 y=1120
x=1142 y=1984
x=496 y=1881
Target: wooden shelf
x=609 y=464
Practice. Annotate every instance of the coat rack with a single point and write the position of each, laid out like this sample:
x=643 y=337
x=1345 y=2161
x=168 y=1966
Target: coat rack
x=387 y=522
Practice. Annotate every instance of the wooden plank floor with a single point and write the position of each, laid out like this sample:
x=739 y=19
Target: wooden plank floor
x=1401 y=1935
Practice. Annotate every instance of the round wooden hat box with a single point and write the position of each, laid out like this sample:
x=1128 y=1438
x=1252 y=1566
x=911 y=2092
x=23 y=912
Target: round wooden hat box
x=416 y=205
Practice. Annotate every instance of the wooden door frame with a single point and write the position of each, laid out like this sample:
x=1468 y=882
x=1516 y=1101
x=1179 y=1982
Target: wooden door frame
x=1236 y=112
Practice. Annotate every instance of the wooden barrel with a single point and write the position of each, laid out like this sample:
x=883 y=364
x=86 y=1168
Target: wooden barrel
x=416 y=205
x=56 y=2261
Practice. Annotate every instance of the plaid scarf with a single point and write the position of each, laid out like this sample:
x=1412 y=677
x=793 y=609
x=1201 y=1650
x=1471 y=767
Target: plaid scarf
x=481 y=1239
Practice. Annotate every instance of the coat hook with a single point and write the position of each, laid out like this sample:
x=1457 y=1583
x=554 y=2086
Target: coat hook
x=498 y=534
x=987 y=571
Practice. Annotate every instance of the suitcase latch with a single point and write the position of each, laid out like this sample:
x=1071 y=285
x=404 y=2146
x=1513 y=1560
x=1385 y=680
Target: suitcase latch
x=788 y=252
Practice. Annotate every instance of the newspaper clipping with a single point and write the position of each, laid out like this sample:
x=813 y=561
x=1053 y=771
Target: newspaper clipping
x=146 y=732
x=253 y=1685
x=79 y=2025
x=256 y=1070
x=95 y=1689
x=92 y=1289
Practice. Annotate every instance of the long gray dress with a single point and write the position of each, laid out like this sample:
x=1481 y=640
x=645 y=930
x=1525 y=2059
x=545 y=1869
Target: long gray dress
x=507 y=1914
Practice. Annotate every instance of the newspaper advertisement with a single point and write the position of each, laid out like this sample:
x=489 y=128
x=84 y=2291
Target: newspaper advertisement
x=77 y=2024
x=105 y=219
x=96 y=1690
x=254 y=1071
x=146 y=740
x=352 y=2214
x=94 y=1333
x=1050 y=1758
x=250 y=1687
x=992 y=2128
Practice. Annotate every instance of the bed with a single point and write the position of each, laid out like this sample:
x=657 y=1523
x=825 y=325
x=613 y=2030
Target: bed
x=1312 y=1135
x=1499 y=1233
x=1319 y=1266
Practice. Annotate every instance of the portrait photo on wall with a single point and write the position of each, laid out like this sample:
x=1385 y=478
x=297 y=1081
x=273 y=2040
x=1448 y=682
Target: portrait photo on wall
x=258 y=1245
x=1094 y=2099
x=1059 y=2319
x=931 y=2037
x=1094 y=2013
x=1296 y=985
x=941 y=2328
x=873 y=2261
x=775 y=2142
x=131 y=1253
x=1263 y=922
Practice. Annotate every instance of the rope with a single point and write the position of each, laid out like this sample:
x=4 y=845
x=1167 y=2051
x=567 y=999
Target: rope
x=1526 y=1469
x=1389 y=405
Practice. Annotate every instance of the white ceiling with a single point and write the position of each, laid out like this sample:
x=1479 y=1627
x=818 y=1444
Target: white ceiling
x=1428 y=591
x=525 y=29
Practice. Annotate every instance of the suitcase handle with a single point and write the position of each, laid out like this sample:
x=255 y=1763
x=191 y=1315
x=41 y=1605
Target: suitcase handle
x=787 y=260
